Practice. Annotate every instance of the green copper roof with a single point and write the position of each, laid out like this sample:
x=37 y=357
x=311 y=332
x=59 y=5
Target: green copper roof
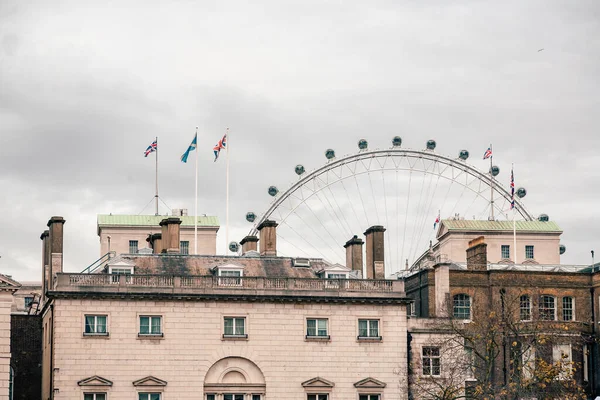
x=521 y=226
x=152 y=220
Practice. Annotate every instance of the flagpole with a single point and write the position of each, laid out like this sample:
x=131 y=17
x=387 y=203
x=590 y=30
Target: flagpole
x=156 y=179
x=227 y=144
x=196 y=200
x=491 y=186
x=512 y=173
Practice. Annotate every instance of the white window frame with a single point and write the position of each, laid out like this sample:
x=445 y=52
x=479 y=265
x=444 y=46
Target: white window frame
x=369 y=336
x=317 y=396
x=370 y=396
x=572 y=309
x=118 y=270
x=431 y=358
x=468 y=306
x=186 y=247
x=502 y=248
x=528 y=247
x=94 y=395
x=95 y=332
x=234 y=326
x=151 y=317
x=147 y=397
x=316 y=335
x=230 y=280
x=137 y=246
x=540 y=308
x=522 y=308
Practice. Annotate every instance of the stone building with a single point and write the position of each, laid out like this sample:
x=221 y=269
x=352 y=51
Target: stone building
x=127 y=234
x=166 y=326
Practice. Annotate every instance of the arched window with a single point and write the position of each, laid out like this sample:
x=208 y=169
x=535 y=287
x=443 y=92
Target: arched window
x=462 y=306
x=525 y=308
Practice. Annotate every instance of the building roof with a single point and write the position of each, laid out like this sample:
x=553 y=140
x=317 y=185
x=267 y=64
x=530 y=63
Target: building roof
x=153 y=220
x=498 y=226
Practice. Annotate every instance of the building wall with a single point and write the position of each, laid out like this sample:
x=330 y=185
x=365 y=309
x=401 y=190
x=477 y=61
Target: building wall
x=47 y=357
x=193 y=342
x=546 y=246
x=120 y=237
x=26 y=351
x=27 y=289
x=5 y=306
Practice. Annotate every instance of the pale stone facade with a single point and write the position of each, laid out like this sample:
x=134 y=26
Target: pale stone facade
x=193 y=342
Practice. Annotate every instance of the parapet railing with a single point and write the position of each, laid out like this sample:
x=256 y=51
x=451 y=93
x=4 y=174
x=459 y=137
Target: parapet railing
x=68 y=281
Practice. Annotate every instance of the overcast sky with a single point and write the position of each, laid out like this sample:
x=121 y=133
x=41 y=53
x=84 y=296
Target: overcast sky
x=86 y=86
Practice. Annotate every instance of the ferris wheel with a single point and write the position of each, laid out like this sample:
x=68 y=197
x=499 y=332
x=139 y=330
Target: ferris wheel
x=404 y=190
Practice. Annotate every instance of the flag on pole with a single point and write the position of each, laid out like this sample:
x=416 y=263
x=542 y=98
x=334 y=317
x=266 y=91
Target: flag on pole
x=512 y=189
x=437 y=220
x=488 y=153
x=150 y=149
x=192 y=147
x=219 y=146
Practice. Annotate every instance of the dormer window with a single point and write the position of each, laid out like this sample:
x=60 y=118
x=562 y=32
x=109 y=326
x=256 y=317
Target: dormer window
x=336 y=275
x=118 y=270
x=230 y=275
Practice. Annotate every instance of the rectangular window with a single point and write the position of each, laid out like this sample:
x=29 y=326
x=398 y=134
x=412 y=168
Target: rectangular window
x=94 y=396
x=525 y=308
x=547 y=308
x=256 y=397
x=368 y=328
x=184 y=247
x=368 y=397
x=133 y=246
x=317 y=397
x=149 y=396
x=337 y=276
x=505 y=252
x=561 y=353
x=568 y=309
x=150 y=325
x=233 y=397
x=28 y=300
x=316 y=328
x=529 y=252
x=95 y=325
x=431 y=361
x=234 y=326
x=210 y=396
x=230 y=278
x=115 y=272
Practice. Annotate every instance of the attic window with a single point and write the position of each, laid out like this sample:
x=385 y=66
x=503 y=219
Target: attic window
x=336 y=275
x=301 y=262
x=230 y=275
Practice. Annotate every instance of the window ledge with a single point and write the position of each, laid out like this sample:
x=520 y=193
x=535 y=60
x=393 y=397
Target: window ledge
x=317 y=338
x=96 y=335
x=146 y=336
x=235 y=337
x=369 y=338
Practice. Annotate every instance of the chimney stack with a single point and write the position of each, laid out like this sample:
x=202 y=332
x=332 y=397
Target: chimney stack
x=477 y=255
x=170 y=235
x=354 y=257
x=375 y=252
x=249 y=243
x=55 y=239
x=45 y=260
x=268 y=238
x=156 y=242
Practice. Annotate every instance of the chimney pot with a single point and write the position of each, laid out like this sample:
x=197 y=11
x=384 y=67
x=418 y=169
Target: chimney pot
x=249 y=243
x=268 y=238
x=477 y=255
x=375 y=252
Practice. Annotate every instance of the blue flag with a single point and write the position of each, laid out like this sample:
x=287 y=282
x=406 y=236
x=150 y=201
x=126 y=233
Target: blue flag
x=192 y=147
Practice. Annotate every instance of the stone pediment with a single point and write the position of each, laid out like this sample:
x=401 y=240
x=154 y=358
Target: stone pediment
x=150 y=381
x=95 y=381
x=120 y=262
x=370 y=383
x=336 y=268
x=318 y=383
x=7 y=283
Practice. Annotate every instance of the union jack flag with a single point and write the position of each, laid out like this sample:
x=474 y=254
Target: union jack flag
x=150 y=149
x=219 y=146
x=488 y=153
x=512 y=189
